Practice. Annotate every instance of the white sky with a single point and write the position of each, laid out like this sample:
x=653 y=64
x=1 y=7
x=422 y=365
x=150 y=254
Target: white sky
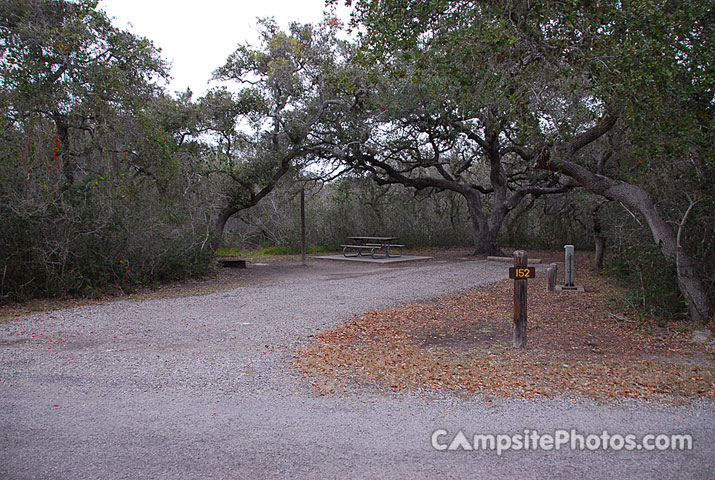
x=197 y=36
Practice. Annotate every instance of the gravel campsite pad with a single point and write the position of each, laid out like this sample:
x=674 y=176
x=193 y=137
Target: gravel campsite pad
x=204 y=386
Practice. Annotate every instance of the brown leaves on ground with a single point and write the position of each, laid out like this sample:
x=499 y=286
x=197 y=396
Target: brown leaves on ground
x=578 y=345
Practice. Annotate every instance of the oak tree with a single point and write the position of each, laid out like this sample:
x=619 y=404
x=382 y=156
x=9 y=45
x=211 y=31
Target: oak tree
x=559 y=82
x=266 y=128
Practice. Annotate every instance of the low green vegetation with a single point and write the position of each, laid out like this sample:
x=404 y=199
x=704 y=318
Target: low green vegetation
x=280 y=250
x=653 y=283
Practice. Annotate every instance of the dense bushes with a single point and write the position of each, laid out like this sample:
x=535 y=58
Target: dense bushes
x=357 y=206
x=653 y=281
x=551 y=222
x=353 y=206
x=637 y=262
x=96 y=188
x=73 y=250
x=110 y=227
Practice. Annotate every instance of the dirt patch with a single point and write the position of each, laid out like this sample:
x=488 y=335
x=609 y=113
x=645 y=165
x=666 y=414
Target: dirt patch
x=580 y=344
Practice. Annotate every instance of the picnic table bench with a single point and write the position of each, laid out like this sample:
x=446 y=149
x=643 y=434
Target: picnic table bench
x=374 y=245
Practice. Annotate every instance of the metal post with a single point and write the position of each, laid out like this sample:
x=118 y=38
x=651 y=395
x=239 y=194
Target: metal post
x=569 y=267
x=520 y=293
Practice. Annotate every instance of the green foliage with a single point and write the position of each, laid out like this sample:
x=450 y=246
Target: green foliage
x=111 y=229
x=548 y=71
x=78 y=251
x=462 y=96
x=286 y=87
x=653 y=281
x=107 y=181
x=95 y=192
x=279 y=250
x=228 y=252
x=62 y=58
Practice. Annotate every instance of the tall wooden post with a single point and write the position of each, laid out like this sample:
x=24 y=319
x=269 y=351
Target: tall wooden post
x=302 y=224
x=520 y=260
x=551 y=277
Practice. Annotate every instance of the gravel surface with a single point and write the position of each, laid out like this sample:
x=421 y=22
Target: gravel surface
x=203 y=387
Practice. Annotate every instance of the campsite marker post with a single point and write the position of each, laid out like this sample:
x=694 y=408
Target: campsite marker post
x=520 y=273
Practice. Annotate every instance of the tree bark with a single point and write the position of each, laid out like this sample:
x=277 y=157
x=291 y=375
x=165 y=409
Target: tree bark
x=600 y=251
x=637 y=198
x=252 y=200
x=63 y=134
x=220 y=226
x=485 y=228
x=598 y=239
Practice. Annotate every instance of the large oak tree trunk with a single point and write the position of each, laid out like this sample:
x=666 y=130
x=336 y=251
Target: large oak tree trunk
x=246 y=198
x=220 y=226
x=637 y=198
x=485 y=228
x=690 y=284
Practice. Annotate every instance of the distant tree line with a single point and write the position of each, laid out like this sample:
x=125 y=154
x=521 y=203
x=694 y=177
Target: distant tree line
x=443 y=121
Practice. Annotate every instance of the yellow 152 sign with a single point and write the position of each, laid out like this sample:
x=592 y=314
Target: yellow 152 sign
x=522 y=273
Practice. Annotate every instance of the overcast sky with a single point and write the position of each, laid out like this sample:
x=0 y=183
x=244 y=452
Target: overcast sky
x=197 y=36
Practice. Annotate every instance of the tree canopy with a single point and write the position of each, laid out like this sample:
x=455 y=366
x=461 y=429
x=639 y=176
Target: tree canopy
x=287 y=86
x=494 y=102
x=589 y=90
x=65 y=62
x=92 y=190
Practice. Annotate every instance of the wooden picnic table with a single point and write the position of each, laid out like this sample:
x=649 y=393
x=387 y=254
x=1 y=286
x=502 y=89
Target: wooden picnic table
x=373 y=245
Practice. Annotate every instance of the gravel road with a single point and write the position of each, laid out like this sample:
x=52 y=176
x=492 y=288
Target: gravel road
x=203 y=387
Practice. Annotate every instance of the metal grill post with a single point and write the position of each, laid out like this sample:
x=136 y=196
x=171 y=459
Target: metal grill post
x=569 y=267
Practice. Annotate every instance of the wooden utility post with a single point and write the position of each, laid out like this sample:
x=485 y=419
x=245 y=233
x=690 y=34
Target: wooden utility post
x=520 y=292
x=551 y=277
x=302 y=224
